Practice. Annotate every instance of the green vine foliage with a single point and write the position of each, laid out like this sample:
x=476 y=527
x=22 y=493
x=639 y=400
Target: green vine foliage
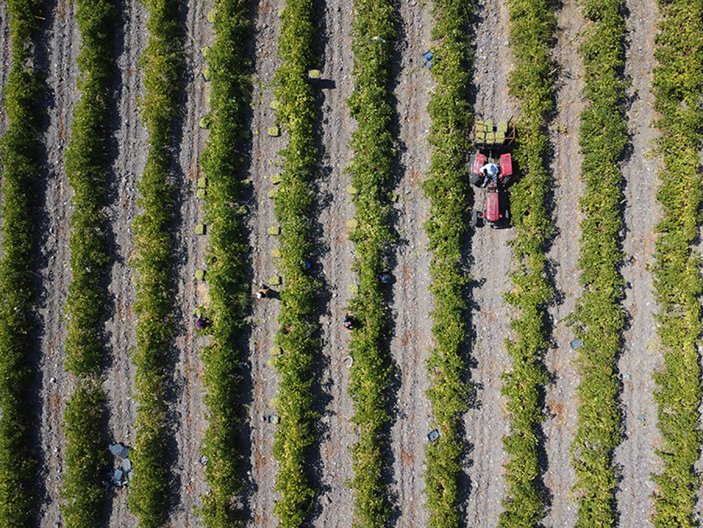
x=599 y=316
x=448 y=189
x=163 y=64
x=88 y=166
x=298 y=317
x=228 y=261
x=532 y=24
x=372 y=170
x=20 y=162
x=678 y=83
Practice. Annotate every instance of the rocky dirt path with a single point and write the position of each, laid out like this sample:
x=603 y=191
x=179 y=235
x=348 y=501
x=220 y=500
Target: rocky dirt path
x=190 y=411
x=412 y=301
x=337 y=498
x=486 y=423
x=131 y=145
x=641 y=356
x=5 y=63
x=62 y=40
x=561 y=402
x=264 y=163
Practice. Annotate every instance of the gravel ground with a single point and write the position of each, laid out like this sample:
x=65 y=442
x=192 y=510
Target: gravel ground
x=190 y=412
x=486 y=422
x=561 y=402
x=264 y=163
x=337 y=499
x=131 y=145
x=412 y=301
x=61 y=35
x=641 y=356
x=5 y=62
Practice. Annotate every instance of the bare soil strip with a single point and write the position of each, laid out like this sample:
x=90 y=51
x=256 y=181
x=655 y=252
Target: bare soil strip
x=412 y=301
x=561 y=401
x=642 y=355
x=336 y=499
x=486 y=423
x=5 y=64
x=264 y=163
x=5 y=60
x=131 y=141
x=62 y=49
x=190 y=409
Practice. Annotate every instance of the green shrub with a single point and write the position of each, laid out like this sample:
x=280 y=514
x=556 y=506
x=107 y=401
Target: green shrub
x=163 y=64
x=599 y=316
x=372 y=170
x=20 y=161
x=450 y=197
x=228 y=260
x=532 y=82
x=678 y=82
x=88 y=166
x=298 y=318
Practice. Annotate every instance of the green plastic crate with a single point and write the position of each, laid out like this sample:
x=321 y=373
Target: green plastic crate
x=200 y=229
x=274 y=131
x=200 y=274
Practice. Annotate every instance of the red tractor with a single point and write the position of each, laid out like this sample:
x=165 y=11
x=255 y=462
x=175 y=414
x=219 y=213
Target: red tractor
x=492 y=170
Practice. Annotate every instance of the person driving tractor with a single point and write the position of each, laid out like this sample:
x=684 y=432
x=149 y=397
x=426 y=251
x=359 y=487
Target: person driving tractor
x=490 y=173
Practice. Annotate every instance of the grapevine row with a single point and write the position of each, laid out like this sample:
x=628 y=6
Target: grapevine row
x=448 y=190
x=298 y=318
x=599 y=316
x=163 y=62
x=678 y=83
x=532 y=25
x=228 y=259
x=88 y=166
x=372 y=169
x=21 y=170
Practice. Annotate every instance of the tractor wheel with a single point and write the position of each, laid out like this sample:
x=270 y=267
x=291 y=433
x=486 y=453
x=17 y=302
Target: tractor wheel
x=475 y=219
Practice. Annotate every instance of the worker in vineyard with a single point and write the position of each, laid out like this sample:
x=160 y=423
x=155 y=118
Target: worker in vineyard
x=490 y=173
x=348 y=322
x=201 y=322
x=264 y=291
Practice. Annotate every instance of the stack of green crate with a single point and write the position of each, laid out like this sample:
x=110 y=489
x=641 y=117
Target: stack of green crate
x=501 y=131
x=480 y=134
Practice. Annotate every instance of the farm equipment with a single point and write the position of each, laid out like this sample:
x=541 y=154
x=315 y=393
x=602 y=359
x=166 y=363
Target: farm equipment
x=492 y=169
